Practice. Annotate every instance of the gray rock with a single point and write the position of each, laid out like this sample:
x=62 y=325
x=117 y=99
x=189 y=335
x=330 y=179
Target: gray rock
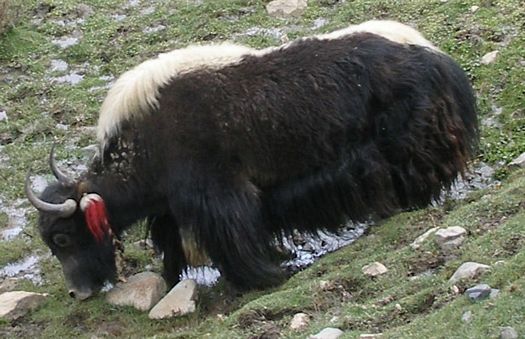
x=494 y=293
x=16 y=304
x=468 y=270
x=422 y=238
x=3 y=115
x=299 y=321
x=142 y=291
x=450 y=233
x=508 y=333
x=286 y=8
x=178 y=302
x=327 y=333
x=449 y=246
x=374 y=269
x=478 y=292
x=489 y=58
x=466 y=317
x=519 y=161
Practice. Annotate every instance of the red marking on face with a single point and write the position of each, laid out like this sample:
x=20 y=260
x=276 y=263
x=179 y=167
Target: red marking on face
x=96 y=216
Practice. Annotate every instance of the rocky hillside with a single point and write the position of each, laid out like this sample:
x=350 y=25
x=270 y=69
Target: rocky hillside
x=400 y=279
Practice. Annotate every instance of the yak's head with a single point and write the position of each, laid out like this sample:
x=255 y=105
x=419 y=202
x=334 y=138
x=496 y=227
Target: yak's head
x=75 y=227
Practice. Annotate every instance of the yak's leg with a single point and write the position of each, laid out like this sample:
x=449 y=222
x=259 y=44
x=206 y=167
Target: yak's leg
x=225 y=220
x=166 y=237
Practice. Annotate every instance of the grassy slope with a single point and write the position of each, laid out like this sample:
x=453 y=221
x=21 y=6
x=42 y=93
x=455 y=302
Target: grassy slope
x=494 y=218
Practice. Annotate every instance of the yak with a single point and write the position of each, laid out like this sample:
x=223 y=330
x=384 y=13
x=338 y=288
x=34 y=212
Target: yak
x=224 y=148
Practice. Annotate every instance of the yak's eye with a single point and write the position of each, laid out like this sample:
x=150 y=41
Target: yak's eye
x=62 y=240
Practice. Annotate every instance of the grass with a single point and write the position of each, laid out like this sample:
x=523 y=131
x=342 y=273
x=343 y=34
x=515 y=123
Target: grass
x=413 y=299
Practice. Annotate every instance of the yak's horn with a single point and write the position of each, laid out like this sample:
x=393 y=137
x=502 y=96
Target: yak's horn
x=56 y=172
x=63 y=210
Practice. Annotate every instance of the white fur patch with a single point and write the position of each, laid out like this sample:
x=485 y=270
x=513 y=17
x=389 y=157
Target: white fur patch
x=136 y=91
x=388 y=29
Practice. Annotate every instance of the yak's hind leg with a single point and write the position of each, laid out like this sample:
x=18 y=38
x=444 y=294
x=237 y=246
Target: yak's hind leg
x=224 y=217
x=166 y=238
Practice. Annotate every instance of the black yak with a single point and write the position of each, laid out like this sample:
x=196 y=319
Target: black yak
x=224 y=148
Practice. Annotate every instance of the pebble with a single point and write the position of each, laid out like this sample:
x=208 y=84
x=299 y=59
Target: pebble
x=299 y=321
x=478 y=292
x=3 y=115
x=468 y=270
x=508 y=333
x=16 y=304
x=178 y=302
x=489 y=58
x=466 y=317
x=519 y=161
x=327 y=333
x=142 y=291
x=374 y=269
x=286 y=8
x=422 y=238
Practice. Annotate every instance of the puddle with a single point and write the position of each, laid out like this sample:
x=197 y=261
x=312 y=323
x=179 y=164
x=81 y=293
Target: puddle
x=318 y=23
x=71 y=78
x=66 y=42
x=16 y=219
x=155 y=29
x=26 y=268
x=305 y=249
x=480 y=177
x=58 y=65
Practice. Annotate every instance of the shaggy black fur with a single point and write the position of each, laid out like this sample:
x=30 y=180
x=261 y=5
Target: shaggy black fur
x=304 y=137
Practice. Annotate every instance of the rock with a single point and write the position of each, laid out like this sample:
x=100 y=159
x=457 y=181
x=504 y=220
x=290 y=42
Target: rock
x=142 y=291
x=421 y=239
x=474 y=9
x=494 y=293
x=468 y=270
x=8 y=285
x=451 y=245
x=478 y=292
x=16 y=304
x=444 y=235
x=518 y=162
x=374 y=269
x=489 y=58
x=371 y=336
x=327 y=333
x=508 y=333
x=3 y=115
x=178 y=302
x=466 y=317
x=299 y=321
x=286 y=8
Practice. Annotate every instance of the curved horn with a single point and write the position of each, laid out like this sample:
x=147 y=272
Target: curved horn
x=56 y=172
x=64 y=210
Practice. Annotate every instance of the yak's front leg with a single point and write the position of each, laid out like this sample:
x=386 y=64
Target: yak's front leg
x=166 y=237
x=225 y=219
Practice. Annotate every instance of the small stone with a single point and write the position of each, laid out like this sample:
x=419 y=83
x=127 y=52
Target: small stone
x=494 y=293
x=327 y=333
x=468 y=270
x=454 y=289
x=450 y=233
x=518 y=162
x=334 y=319
x=508 y=333
x=16 y=304
x=370 y=335
x=374 y=269
x=178 y=302
x=450 y=246
x=299 y=321
x=286 y=8
x=478 y=292
x=474 y=9
x=3 y=115
x=398 y=307
x=489 y=58
x=422 y=238
x=466 y=317
x=325 y=285
x=142 y=291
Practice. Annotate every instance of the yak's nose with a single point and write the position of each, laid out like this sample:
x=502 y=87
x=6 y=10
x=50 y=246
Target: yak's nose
x=80 y=295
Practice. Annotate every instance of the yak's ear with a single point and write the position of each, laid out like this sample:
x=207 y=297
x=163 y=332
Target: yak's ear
x=95 y=213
